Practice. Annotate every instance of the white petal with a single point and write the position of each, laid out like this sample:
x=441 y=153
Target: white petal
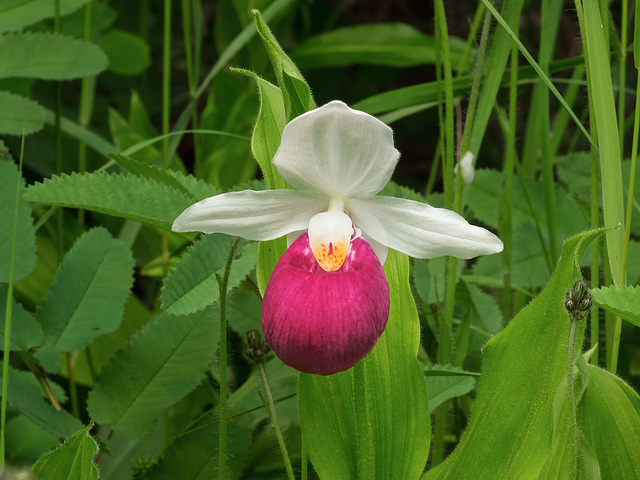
x=466 y=166
x=420 y=230
x=379 y=249
x=337 y=151
x=262 y=215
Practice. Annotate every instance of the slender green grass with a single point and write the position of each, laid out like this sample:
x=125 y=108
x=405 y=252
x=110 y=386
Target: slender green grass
x=8 y=315
x=166 y=83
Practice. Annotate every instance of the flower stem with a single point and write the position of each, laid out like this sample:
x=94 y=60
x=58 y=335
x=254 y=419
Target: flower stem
x=223 y=283
x=274 y=421
x=573 y=427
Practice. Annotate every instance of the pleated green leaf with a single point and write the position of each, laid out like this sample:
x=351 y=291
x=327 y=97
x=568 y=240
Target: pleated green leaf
x=193 y=285
x=623 y=301
x=126 y=196
x=161 y=364
x=511 y=428
x=100 y=268
x=609 y=417
x=24 y=260
x=73 y=460
x=372 y=421
x=389 y=44
x=17 y=14
x=26 y=398
x=296 y=92
x=48 y=56
x=19 y=115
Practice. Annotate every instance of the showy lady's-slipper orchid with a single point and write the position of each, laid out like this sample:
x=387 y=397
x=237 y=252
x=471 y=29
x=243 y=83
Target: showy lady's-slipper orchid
x=327 y=301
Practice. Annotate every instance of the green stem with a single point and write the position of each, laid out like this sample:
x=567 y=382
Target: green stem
x=573 y=428
x=86 y=103
x=304 y=462
x=9 y=312
x=73 y=391
x=274 y=421
x=622 y=71
x=223 y=283
x=166 y=82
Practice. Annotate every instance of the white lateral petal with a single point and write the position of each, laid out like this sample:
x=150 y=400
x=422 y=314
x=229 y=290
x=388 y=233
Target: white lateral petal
x=420 y=230
x=262 y=215
x=337 y=151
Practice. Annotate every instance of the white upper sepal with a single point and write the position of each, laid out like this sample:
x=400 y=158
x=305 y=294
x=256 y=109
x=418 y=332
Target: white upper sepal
x=337 y=151
x=465 y=165
x=262 y=215
x=329 y=237
x=420 y=230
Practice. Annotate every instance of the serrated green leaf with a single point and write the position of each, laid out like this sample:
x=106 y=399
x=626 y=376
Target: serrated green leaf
x=100 y=268
x=510 y=431
x=73 y=460
x=296 y=92
x=26 y=397
x=126 y=196
x=128 y=53
x=161 y=364
x=147 y=170
x=194 y=455
x=19 y=115
x=372 y=420
x=623 y=301
x=49 y=56
x=17 y=14
x=193 y=285
x=25 y=254
x=388 y=44
x=25 y=330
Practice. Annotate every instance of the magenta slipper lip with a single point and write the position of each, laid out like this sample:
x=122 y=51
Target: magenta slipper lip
x=325 y=322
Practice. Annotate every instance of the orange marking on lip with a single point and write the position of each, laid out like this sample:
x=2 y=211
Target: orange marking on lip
x=330 y=258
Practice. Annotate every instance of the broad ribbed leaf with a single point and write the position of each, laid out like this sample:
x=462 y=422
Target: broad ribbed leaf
x=17 y=14
x=623 y=301
x=100 y=269
x=193 y=285
x=161 y=364
x=609 y=416
x=25 y=330
x=24 y=260
x=26 y=397
x=511 y=428
x=389 y=44
x=73 y=460
x=19 y=115
x=48 y=56
x=126 y=196
x=372 y=421
x=296 y=92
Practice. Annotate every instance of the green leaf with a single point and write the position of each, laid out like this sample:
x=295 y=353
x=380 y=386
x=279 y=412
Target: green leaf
x=372 y=421
x=609 y=416
x=27 y=441
x=25 y=330
x=24 y=260
x=623 y=301
x=26 y=397
x=73 y=460
x=296 y=92
x=147 y=170
x=128 y=54
x=17 y=14
x=510 y=431
x=161 y=364
x=450 y=382
x=19 y=115
x=100 y=268
x=193 y=285
x=126 y=196
x=48 y=56
x=604 y=110
x=388 y=44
